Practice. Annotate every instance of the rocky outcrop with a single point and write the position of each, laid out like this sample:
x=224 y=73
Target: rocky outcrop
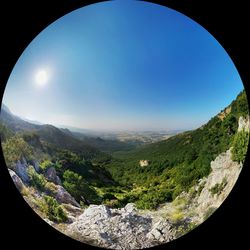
x=244 y=124
x=62 y=196
x=21 y=171
x=36 y=166
x=21 y=179
x=162 y=231
x=72 y=212
x=17 y=181
x=50 y=175
x=218 y=185
x=144 y=163
x=123 y=228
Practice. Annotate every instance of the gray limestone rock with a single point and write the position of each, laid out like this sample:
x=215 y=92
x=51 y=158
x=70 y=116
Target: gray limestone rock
x=244 y=123
x=36 y=166
x=50 y=175
x=121 y=228
x=21 y=171
x=62 y=196
x=16 y=179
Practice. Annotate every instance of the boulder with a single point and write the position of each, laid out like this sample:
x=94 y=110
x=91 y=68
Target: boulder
x=144 y=163
x=50 y=175
x=62 y=196
x=130 y=208
x=36 y=166
x=224 y=170
x=161 y=231
x=73 y=210
x=21 y=171
x=16 y=179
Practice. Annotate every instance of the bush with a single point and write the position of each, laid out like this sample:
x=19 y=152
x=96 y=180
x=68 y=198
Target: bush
x=15 y=149
x=240 y=146
x=54 y=211
x=36 y=180
x=177 y=216
x=147 y=201
x=79 y=188
x=112 y=203
x=202 y=185
x=218 y=188
x=153 y=198
x=108 y=196
x=46 y=164
x=51 y=188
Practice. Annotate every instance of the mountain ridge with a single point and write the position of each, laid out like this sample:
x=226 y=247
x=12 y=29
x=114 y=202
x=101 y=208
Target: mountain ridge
x=61 y=137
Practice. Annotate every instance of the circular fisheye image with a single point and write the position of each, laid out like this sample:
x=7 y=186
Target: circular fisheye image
x=124 y=124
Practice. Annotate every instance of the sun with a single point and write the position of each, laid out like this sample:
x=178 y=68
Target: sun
x=41 y=77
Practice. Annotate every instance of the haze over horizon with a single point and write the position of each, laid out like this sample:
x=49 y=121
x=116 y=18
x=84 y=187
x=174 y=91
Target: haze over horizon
x=123 y=65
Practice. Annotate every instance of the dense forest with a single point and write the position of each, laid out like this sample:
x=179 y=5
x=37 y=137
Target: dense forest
x=92 y=176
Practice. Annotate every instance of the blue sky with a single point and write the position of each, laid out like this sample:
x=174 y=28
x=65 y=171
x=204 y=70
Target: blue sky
x=123 y=65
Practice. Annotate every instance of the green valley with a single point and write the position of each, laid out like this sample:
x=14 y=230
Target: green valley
x=178 y=163
x=62 y=173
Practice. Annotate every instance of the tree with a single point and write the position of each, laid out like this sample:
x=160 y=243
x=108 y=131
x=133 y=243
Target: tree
x=78 y=187
x=240 y=146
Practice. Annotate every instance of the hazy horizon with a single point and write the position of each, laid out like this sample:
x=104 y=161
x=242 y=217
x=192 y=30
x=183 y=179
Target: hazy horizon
x=82 y=129
x=123 y=66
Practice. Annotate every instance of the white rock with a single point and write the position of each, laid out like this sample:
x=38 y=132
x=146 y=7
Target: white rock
x=244 y=124
x=16 y=179
x=21 y=171
x=116 y=228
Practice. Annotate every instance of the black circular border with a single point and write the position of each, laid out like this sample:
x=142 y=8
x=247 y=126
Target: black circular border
x=21 y=21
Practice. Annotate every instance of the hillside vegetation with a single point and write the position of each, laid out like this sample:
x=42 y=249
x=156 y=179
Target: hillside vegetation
x=92 y=176
x=178 y=163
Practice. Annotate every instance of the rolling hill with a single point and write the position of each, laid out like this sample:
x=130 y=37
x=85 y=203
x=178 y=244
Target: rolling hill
x=89 y=147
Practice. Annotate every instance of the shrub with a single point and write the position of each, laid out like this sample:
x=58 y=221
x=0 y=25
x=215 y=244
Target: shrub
x=108 y=196
x=147 y=202
x=218 y=188
x=78 y=187
x=112 y=203
x=46 y=164
x=177 y=191
x=185 y=228
x=202 y=185
x=25 y=191
x=240 y=146
x=14 y=149
x=36 y=180
x=177 y=216
x=50 y=188
x=54 y=211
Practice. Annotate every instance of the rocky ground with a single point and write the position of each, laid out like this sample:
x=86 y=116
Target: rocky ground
x=129 y=228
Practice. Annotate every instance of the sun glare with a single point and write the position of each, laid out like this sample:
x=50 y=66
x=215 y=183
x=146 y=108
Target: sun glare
x=41 y=78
